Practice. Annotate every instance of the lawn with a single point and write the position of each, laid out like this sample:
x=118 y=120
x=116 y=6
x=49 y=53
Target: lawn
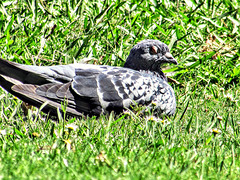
x=200 y=142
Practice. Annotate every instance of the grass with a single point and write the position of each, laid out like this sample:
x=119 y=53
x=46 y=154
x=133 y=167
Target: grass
x=200 y=142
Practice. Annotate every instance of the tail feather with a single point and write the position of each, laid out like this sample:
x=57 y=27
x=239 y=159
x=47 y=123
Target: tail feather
x=20 y=72
x=22 y=82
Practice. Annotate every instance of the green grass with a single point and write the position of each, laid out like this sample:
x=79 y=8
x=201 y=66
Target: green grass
x=203 y=37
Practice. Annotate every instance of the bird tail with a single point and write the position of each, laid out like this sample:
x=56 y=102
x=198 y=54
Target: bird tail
x=12 y=70
x=22 y=82
x=21 y=73
x=14 y=74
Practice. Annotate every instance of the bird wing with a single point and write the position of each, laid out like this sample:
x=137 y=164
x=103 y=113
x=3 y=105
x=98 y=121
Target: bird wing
x=113 y=88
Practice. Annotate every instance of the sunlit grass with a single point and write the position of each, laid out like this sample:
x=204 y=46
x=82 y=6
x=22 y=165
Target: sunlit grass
x=201 y=141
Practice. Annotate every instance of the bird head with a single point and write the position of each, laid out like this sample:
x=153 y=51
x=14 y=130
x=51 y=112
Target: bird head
x=149 y=55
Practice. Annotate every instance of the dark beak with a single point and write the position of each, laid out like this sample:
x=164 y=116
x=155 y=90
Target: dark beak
x=168 y=58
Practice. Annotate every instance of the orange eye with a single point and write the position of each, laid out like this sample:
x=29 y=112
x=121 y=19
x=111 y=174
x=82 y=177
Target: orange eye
x=154 y=50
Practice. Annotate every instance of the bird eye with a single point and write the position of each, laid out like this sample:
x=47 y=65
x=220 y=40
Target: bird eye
x=153 y=50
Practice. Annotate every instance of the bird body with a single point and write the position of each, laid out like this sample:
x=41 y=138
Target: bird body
x=92 y=89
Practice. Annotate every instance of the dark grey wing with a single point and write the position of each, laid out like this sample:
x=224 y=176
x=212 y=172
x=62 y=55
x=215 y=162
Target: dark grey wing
x=95 y=87
x=63 y=92
x=56 y=94
x=28 y=93
x=112 y=88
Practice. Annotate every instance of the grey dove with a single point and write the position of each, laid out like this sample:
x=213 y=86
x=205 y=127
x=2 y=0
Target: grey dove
x=95 y=89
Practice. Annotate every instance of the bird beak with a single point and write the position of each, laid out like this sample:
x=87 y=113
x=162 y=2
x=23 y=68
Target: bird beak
x=169 y=58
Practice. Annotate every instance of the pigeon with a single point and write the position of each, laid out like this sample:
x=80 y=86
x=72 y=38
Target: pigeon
x=96 y=89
